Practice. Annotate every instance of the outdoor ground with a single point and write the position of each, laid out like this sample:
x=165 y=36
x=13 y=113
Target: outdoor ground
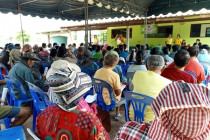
x=115 y=124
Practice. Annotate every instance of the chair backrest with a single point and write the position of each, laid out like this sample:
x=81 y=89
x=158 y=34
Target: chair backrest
x=193 y=74
x=98 y=86
x=139 y=103
x=99 y=64
x=124 y=68
x=11 y=82
x=206 y=69
x=2 y=66
x=129 y=76
x=40 y=98
x=87 y=71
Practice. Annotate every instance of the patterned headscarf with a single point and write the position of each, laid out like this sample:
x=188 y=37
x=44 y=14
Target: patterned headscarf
x=68 y=87
x=182 y=111
x=14 y=56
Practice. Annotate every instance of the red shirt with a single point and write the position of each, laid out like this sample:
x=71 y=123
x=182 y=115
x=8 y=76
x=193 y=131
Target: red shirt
x=56 y=124
x=194 y=67
x=178 y=75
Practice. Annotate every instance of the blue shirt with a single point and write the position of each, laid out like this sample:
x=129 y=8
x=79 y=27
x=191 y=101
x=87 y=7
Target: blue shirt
x=118 y=70
x=23 y=73
x=124 y=54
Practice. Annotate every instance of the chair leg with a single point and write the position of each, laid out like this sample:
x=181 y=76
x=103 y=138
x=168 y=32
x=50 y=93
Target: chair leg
x=34 y=119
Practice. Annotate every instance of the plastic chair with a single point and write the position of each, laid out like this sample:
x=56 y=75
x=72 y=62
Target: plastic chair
x=193 y=74
x=87 y=71
x=129 y=76
x=124 y=68
x=15 y=133
x=2 y=66
x=99 y=64
x=98 y=86
x=40 y=100
x=10 y=84
x=32 y=134
x=6 y=121
x=139 y=103
x=206 y=69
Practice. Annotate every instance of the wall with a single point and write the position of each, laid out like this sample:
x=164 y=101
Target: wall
x=182 y=28
x=59 y=39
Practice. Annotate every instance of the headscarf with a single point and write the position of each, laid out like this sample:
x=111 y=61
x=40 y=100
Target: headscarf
x=182 y=111
x=68 y=87
x=14 y=56
x=87 y=58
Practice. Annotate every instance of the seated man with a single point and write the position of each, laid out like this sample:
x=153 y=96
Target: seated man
x=150 y=82
x=64 y=121
x=123 y=53
x=20 y=114
x=98 y=54
x=113 y=79
x=22 y=72
x=175 y=49
x=193 y=65
x=181 y=113
x=177 y=73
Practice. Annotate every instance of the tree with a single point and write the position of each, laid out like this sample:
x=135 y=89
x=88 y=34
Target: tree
x=25 y=36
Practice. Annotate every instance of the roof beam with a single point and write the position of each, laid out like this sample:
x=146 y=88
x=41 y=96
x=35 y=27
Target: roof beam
x=61 y=4
x=27 y=2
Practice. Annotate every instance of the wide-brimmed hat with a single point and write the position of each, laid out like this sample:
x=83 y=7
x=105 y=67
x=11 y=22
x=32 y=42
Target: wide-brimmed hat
x=68 y=87
x=182 y=111
x=31 y=56
x=62 y=64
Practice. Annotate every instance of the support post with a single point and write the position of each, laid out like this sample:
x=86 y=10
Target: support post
x=86 y=23
x=48 y=37
x=145 y=29
x=128 y=37
x=21 y=25
x=90 y=36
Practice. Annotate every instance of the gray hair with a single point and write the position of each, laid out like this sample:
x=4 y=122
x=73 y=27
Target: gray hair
x=111 y=60
x=155 y=62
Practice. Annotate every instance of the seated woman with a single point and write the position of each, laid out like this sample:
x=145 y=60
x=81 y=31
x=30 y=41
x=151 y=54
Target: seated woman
x=87 y=61
x=61 y=55
x=63 y=121
x=139 y=64
x=106 y=73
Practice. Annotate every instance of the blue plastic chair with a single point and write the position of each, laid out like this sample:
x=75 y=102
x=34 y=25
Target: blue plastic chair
x=10 y=84
x=139 y=103
x=206 y=71
x=6 y=121
x=99 y=64
x=15 y=133
x=124 y=68
x=98 y=86
x=129 y=76
x=193 y=74
x=87 y=71
x=40 y=101
x=2 y=66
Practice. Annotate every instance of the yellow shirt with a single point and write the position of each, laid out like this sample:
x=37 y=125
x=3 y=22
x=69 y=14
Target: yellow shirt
x=169 y=41
x=113 y=79
x=148 y=83
x=120 y=41
x=178 y=41
x=95 y=41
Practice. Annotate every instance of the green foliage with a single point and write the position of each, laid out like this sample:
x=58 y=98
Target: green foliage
x=25 y=36
x=103 y=36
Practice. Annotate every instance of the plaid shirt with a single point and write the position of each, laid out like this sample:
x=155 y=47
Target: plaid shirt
x=133 y=131
x=182 y=111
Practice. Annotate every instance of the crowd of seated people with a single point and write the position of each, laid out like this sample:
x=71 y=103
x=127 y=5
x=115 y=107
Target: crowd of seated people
x=158 y=73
